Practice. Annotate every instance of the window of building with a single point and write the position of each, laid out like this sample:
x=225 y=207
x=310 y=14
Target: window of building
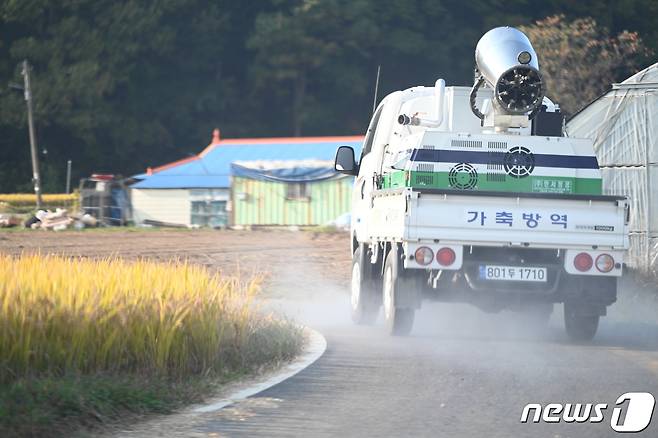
x=297 y=191
x=209 y=214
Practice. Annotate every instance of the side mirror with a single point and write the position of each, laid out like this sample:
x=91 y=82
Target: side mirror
x=345 y=162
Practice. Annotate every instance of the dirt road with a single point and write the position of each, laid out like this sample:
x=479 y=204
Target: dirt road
x=462 y=373
x=225 y=251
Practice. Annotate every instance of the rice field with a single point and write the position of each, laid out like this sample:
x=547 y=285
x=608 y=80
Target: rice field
x=29 y=199
x=62 y=316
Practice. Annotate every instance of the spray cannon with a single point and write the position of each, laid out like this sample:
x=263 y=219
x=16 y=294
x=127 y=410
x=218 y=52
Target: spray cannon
x=507 y=63
x=508 y=70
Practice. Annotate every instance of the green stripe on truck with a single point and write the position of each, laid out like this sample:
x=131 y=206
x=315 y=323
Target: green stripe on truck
x=493 y=182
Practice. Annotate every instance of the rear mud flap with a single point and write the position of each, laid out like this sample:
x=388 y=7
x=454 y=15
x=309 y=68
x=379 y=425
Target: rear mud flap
x=589 y=295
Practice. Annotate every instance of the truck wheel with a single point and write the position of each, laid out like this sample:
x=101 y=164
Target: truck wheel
x=399 y=320
x=581 y=327
x=363 y=297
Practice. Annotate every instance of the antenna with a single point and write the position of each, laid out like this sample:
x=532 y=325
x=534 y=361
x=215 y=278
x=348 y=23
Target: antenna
x=374 y=101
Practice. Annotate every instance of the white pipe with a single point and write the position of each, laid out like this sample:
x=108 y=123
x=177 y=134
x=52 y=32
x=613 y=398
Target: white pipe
x=439 y=93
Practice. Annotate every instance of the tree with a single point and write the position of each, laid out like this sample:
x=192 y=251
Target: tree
x=579 y=59
x=291 y=46
x=316 y=60
x=117 y=85
x=121 y=85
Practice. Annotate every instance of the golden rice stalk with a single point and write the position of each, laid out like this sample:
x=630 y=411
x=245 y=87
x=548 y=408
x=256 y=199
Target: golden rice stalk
x=60 y=315
x=23 y=199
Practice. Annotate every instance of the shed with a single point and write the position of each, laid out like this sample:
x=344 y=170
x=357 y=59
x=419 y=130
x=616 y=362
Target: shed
x=288 y=192
x=195 y=191
x=623 y=123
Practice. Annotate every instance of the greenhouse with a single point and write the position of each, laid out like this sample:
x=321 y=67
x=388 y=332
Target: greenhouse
x=623 y=125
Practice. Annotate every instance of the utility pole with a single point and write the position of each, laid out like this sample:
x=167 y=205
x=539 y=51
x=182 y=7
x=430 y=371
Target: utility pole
x=68 y=177
x=36 y=178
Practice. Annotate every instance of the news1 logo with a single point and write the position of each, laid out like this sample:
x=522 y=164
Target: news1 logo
x=638 y=412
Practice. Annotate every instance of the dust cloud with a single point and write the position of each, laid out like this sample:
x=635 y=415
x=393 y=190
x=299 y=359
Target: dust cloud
x=632 y=322
x=308 y=294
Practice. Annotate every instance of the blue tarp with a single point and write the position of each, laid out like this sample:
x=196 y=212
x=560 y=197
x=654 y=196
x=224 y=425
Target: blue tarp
x=212 y=170
x=290 y=174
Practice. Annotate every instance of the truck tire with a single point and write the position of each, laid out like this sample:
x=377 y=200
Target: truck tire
x=363 y=296
x=580 y=326
x=399 y=320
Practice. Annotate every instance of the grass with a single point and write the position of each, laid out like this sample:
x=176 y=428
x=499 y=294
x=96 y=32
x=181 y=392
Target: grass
x=29 y=199
x=59 y=406
x=24 y=203
x=82 y=341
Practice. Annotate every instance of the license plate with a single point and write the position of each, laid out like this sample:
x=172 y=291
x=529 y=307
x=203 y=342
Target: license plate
x=512 y=273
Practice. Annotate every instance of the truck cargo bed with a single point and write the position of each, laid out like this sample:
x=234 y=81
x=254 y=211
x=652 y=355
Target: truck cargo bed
x=540 y=220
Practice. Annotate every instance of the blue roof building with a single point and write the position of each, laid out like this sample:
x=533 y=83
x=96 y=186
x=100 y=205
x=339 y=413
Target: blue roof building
x=195 y=191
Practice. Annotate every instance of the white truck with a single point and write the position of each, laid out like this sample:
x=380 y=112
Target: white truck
x=474 y=194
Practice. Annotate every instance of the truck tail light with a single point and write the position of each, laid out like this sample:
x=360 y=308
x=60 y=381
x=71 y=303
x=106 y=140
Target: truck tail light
x=424 y=255
x=445 y=256
x=605 y=263
x=583 y=262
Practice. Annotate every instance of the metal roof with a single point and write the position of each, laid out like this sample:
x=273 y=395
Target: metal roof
x=212 y=167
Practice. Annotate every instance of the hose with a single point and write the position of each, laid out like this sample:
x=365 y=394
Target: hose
x=474 y=95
